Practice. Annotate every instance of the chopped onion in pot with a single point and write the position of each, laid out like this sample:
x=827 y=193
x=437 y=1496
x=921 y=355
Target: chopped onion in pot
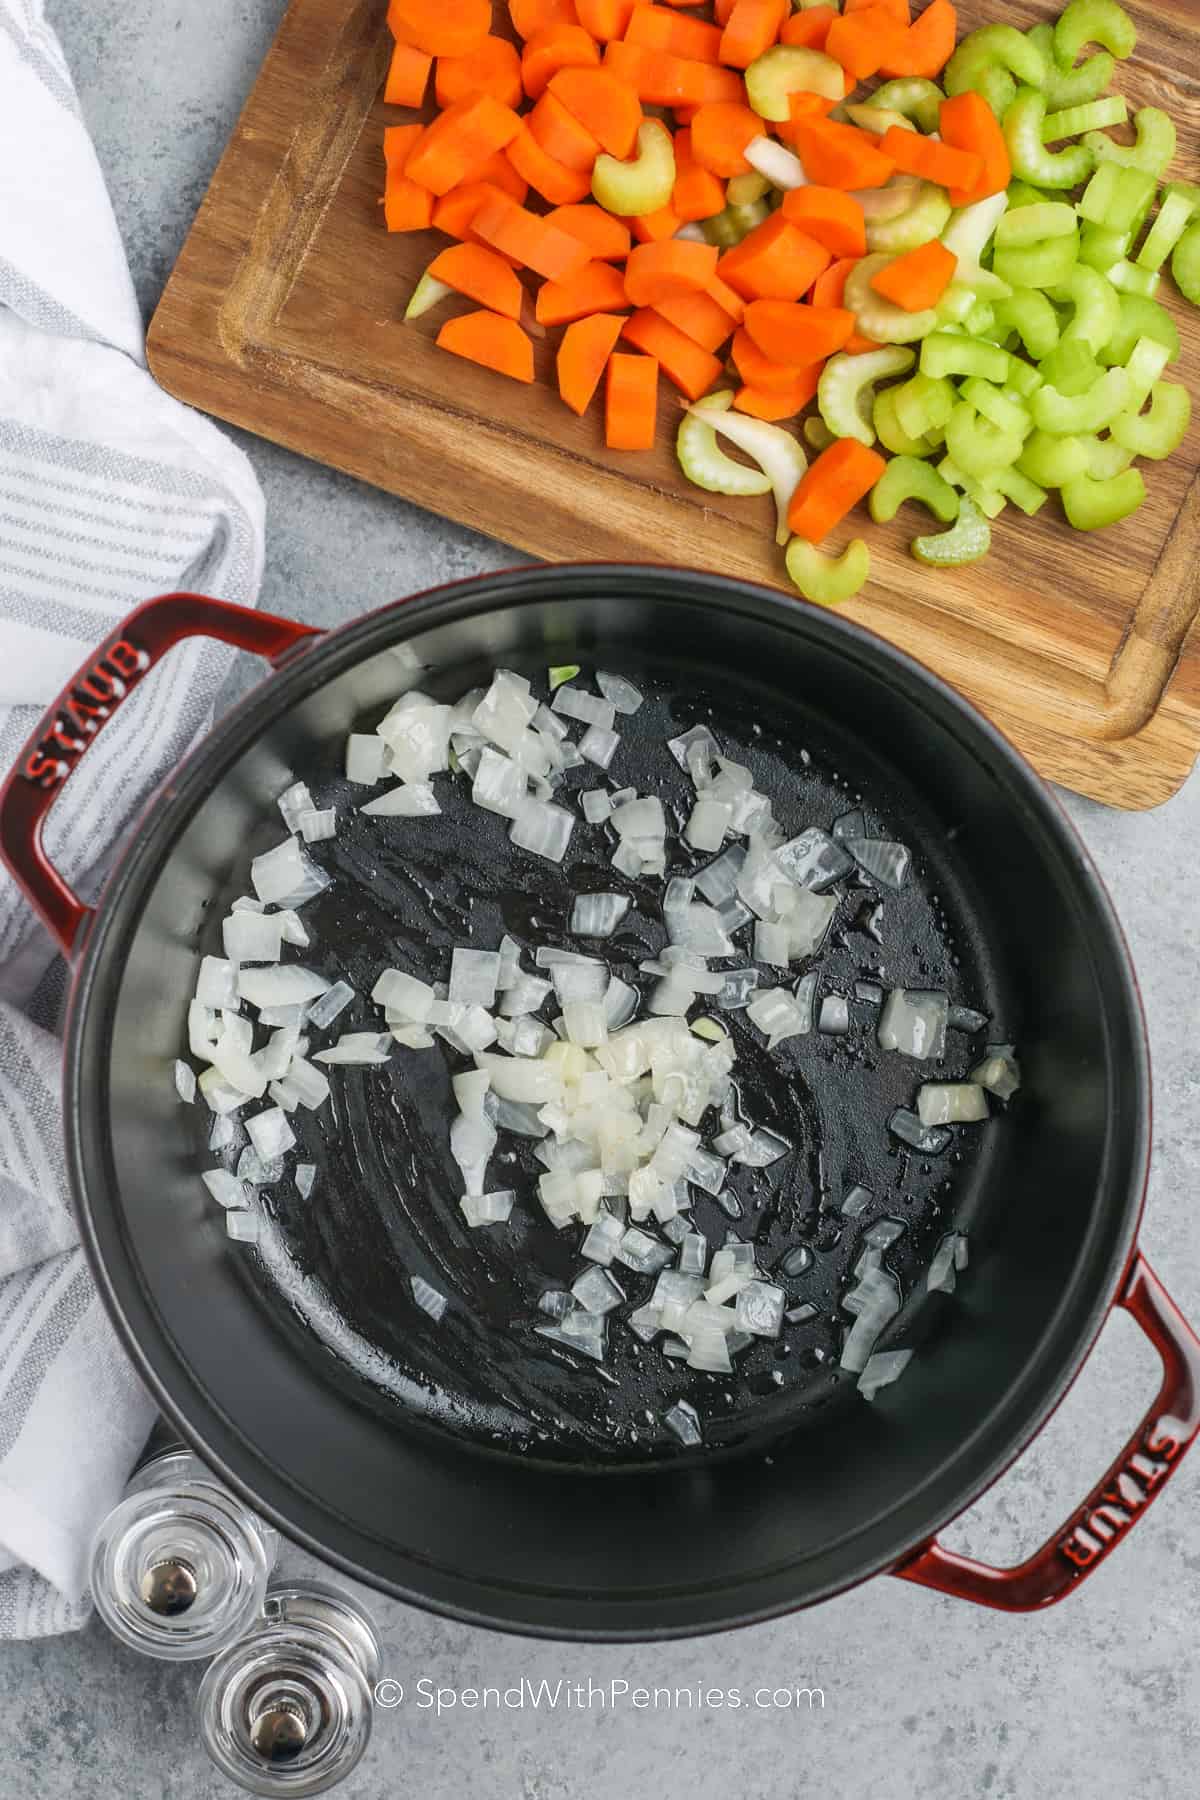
x=270 y=1133
x=951 y=1103
x=243 y=1227
x=931 y=1140
x=280 y=984
x=364 y=758
x=328 y=1006
x=252 y=937
x=277 y=874
x=813 y=860
x=473 y=977
x=889 y=863
x=223 y=1132
x=597 y=805
x=217 y=984
x=293 y=803
x=835 y=1015
x=500 y=785
x=306 y=1175
x=587 y=708
x=941 y=1278
x=598 y=915
x=849 y=825
x=185 y=1081
x=620 y=693
x=998 y=1072
x=599 y=746
x=966 y=1018
x=737 y=986
x=913 y=1021
x=542 y=829
x=317 y=824
x=428 y=1298
x=525 y=995
x=884 y=1367
x=309 y=1083
x=415 y=801
x=708 y=824
x=620 y=1003
x=487 y=1209
x=358 y=1047
x=225 y=1188
x=596 y=1291
x=684 y=1421
x=855 y=1201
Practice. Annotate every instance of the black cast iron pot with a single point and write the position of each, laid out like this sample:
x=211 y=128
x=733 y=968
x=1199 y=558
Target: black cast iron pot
x=811 y=1490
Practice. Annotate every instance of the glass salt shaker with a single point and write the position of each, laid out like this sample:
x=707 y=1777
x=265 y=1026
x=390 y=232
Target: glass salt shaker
x=288 y=1709
x=180 y=1565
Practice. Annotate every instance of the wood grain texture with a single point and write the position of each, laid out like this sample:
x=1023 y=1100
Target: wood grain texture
x=283 y=316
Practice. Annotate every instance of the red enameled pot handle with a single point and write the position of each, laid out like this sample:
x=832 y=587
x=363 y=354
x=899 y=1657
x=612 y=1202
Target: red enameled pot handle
x=85 y=705
x=1148 y=1460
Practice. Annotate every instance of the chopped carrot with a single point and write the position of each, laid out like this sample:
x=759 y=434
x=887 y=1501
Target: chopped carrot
x=726 y=298
x=631 y=402
x=661 y=79
x=775 y=261
x=752 y=28
x=459 y=140
x=861 y=41
x=481 y=275
x=697 y=194
x=553 y=180
x=927 y=46
x=917 y=280
x=683 y=362
x=919 y=155
x=407 y=76
x=406 y=205
x=440 y=27
x=808 y=30
x=699 y=317
x=968 y=123
x=828 y=289
x=598 y=288
x=899 y=9
x=831 y=216
x=654 y=28
x=658 y=271
x=722 y=10
x=551 y=253
x=531 y=16
x=720 y=132
x=484 y=337
x=858 y=345
x=558 y=47
x=455 y=211
x=842 y=156
x=607 y=106
x=585 y=349
x=561 y=135
x=789 y=333
x=758 y=371
x=653 y=228
x=607 y=239
x=833 y=484
x=493 y=68
x=779 y=403
x=802 y=109
x=605 y=20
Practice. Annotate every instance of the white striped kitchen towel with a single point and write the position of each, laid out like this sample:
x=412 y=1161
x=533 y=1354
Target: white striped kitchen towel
x=109 y=493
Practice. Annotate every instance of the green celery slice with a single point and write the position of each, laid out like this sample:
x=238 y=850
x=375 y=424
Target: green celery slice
x=1141 y=318
x=788 y=69
x=878 y=318
x=1093 y=115
x=744 y=190
x=1023 y=379
x=876 y=119
x=988 y=499
x=1129 y=279
x=1185 y=264
x=979 y=447
x=1093 y=22
x=1106 y=458
x=817 y=434
x=1070 y=87
x=1045 y=265
x=1017 y=487
x=992 y=404
x=989 y=59
x=1096 y=310
x=1072 y=368
x=1160 y=431
x=1072 y=413
x=956 y=304
x=1034 y=223
x=909 y=478
x=892 y=435
x=828 y=580
x=845 y=392
x=1100 y=248
x=1174 y=216
x=953 y=353
x=1090 y=504
x=914 y=97
x=776 y=451
x=1116 y=197
x=704 y=462
x=968 y=539
x=1029 y=313
x=1150 y=152
x=981 y=322
x=926 y=218
x=643 y=184
x=1053 y=461
x=1145 y=366
x=1031 y=161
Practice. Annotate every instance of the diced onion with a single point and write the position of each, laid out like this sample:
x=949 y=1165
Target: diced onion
x=598 y=915
x=781 y=166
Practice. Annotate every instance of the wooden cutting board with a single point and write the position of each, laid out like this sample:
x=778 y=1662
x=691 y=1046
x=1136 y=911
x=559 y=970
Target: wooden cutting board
x=283 y=316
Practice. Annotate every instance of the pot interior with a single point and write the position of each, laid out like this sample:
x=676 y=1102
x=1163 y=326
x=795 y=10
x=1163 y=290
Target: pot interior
x=469 y=1464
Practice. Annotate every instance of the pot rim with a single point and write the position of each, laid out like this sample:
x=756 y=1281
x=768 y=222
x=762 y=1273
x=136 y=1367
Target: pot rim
x=310 y=666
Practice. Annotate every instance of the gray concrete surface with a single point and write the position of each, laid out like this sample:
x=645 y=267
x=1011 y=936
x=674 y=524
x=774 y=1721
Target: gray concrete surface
x=921 y=1695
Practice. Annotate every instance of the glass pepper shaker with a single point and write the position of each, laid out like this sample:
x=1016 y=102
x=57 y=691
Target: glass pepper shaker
x=180 y=1565
x=288 y=1709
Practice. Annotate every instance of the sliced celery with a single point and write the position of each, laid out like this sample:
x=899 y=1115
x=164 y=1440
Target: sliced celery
x=1131 y=280
x=908 y=478
x=1147 y=360
x=1093 y=22
x=995 y=406
x=1091 y=504
x=1071 y=87
x=846 y=386
x=967 y=238
x=1032 y=317
x=1053 y=461
x=776 y=451
x=876 y=119
x=827 y=580
x=1018 y=488
x=892 y=435
x=981 y=320
x=1152 y=150
x=978 y=446
x=1035 y=223
x=988 y=499
x=1044 y=265
x=1160 y=431
x=1173 y=218
x=878 y=318
x=1023 y=379
x=1141 y=318
x=645 y=183
x=1100 y=248
x=956 y=304
x=926 y=218
x=722 y=230
x=913 y=96
x=1072 y=368
x=952 y=353
x=988 y=60
x=1185 y=264
x=1096 y=310
x=1117 y=198
x=817 y=434
x=1106 y=458
x=1031 y=161
x=968 y=539
x=923 y=404
x=1021 y=194
x=1093 y=115
x=704 y=462
x=744 y=190
x=1072 y=413
x=788 y=69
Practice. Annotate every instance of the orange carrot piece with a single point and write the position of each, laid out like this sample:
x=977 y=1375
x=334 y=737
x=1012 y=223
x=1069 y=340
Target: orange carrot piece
x=558 y=47
x=808 y=30
x=927 y=45
x=831 y=216
x=661 y=79
x=802 y=109
x=697 y=194
x=828 y=289
x=753 y=27
x=656 y=271
x=598 y=288
x=719 y=135
x=481 y=275
x=699 y=317
x=788 y=333
x=858 y=345
x=899 y=9
x=561 y=135
x=833 y=484
x=606 y=106
x=607 y=239
x=630 y=402
x=918 y=279
x=775 y=261
x=681 y=359
x=407 y=76
x=655 y=227
x=726 y=298
x=968 y=123
x=841 y=156
x=406 y=205
x=494 y=68
x=758 y=371
x=861 y=41
x=654 y=28
x=531 y=16
x=486 y=338
x=549 y=252
x=441 y=27
x=779 y=403
x=462 y=137
x=605 y=20
x=455 y=211
x=722 y=10
x=553 y=180
x=585 y=349
x=919 y=155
